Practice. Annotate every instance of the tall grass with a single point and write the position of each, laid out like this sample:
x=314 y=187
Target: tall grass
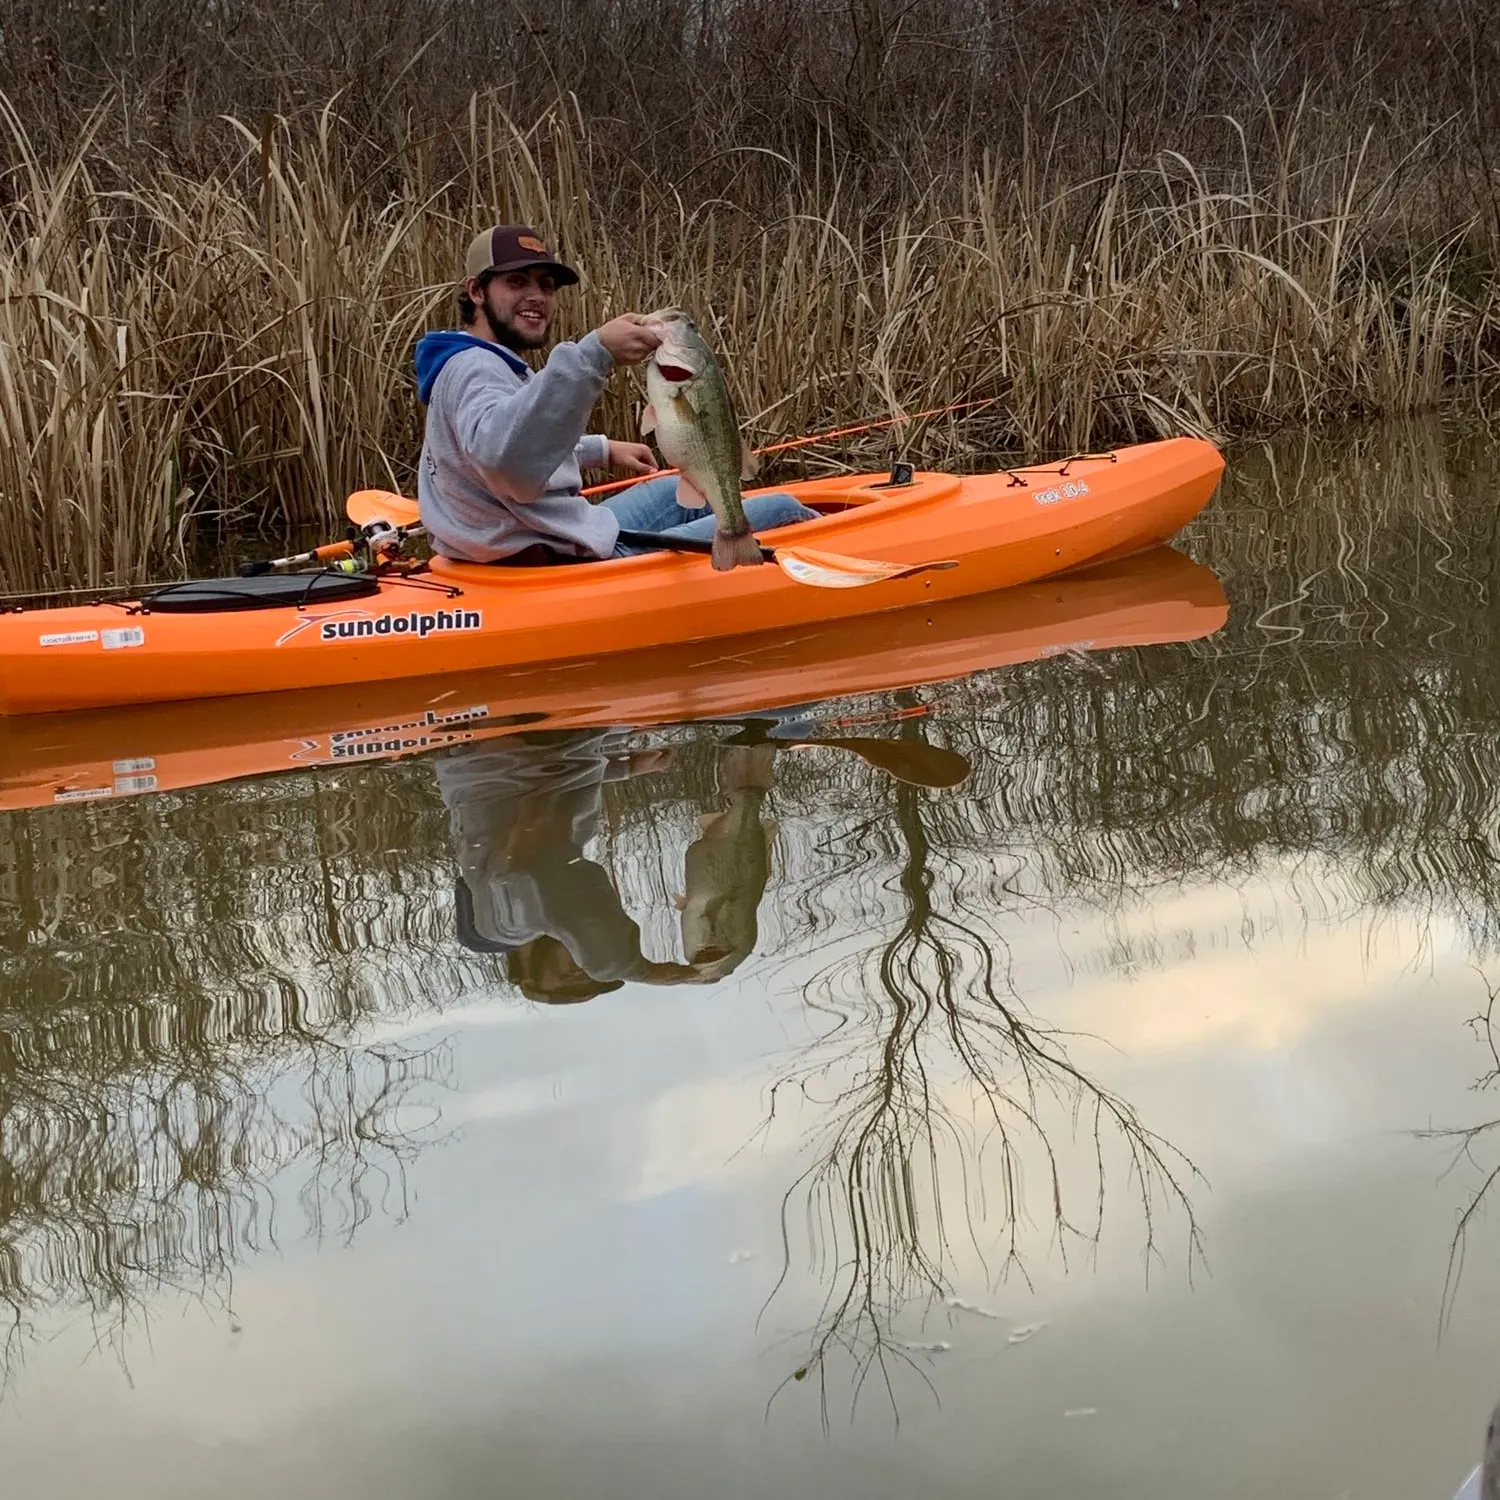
x=225 y=342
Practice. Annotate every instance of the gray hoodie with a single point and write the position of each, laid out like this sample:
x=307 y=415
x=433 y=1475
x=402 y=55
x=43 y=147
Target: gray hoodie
x=504 y=449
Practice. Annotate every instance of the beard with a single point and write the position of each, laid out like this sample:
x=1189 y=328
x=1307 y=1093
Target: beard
x=510 y=336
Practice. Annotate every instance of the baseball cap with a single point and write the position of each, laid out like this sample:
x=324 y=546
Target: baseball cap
x=514 y=247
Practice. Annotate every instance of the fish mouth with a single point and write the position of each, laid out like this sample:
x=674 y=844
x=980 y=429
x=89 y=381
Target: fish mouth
x=674 y=373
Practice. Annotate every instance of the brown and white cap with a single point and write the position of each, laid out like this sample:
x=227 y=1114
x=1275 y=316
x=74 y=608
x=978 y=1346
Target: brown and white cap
x=514 y=247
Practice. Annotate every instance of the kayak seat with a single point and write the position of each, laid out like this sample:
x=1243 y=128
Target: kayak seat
x=269 y=591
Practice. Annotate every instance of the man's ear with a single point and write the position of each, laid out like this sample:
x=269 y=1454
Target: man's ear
x=474 y=290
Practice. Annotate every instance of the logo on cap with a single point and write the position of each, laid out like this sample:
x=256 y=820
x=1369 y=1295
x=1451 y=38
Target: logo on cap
x=530 y=242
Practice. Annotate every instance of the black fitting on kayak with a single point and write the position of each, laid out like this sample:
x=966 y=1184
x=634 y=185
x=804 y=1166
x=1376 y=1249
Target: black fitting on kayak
x=902 y=474
x=266 y=591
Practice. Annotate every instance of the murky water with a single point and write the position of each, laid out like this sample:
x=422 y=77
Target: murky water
x=697 y=1111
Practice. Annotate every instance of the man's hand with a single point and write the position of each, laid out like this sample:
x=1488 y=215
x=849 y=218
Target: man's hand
x=629 y=338
x=631 y=458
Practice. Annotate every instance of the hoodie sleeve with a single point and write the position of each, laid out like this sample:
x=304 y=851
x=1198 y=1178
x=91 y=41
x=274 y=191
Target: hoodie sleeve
x=592 y=451
x=519 y=437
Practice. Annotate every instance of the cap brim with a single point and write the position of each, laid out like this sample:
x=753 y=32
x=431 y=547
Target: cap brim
x=566 y=275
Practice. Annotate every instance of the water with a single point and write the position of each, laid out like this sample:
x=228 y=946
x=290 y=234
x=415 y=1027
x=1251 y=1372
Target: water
x=1122 y=1120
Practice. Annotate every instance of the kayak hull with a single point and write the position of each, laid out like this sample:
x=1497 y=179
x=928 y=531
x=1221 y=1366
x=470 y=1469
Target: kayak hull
x=58 y=759
x=1000 y=530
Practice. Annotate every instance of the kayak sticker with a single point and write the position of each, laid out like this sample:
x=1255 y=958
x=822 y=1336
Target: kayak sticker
x=82 y=793
x=357 y=624
x=357 y=749
x=1070 y=491
x=126 y=635
x=135 y=765
x=70 y=638
x=428 y=720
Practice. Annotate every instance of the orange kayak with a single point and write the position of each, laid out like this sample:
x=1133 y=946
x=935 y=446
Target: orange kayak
x=999 y=529
x=56 y=759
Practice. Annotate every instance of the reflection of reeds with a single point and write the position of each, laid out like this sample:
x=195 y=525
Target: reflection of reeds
x=188 y=992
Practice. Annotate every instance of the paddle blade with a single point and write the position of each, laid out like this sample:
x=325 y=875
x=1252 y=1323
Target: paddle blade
x=912 y=761
x=832 y=570
x=364 y=506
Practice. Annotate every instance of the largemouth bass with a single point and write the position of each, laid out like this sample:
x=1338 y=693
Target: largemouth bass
x=696 y=429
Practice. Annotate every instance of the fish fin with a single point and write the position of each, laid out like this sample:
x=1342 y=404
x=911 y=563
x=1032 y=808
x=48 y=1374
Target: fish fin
x=689 y=496
x=741 y=551
x=648 y=420
x=680 y=902
x=749 y=464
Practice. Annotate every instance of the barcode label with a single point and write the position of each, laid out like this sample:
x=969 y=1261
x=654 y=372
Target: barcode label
x=125 y=786
x=131 y=767
x=126 y=635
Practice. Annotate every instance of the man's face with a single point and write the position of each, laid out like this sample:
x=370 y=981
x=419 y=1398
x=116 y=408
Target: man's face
x=520 y=306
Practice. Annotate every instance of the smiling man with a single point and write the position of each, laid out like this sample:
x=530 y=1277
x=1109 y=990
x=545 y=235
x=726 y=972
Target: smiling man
x=505 y=445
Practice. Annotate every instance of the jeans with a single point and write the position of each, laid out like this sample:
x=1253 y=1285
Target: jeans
x=652 y=505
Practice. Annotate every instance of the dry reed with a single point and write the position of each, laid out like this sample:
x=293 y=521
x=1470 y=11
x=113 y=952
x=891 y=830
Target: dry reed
x=230 y=346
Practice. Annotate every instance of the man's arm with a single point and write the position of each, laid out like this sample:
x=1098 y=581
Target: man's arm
x=518 y=438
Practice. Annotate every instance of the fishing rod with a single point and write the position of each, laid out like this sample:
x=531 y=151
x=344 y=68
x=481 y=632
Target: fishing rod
x=374 y=537
x=808 y=442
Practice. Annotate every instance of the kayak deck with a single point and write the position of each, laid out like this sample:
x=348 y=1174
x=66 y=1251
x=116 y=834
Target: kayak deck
x=1000 y=529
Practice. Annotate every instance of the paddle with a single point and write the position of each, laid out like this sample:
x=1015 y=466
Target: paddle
x=912 y=761
x=907 y=760
x=812 y=566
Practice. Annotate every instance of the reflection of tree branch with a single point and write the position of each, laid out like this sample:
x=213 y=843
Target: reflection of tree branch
x=945 y=1011
x=1463 y=1141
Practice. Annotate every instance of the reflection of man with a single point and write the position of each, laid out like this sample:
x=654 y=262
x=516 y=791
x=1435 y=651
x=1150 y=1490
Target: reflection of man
x=524 y=808
x=522 y=811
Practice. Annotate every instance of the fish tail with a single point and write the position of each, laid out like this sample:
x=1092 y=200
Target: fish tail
x=731 y=551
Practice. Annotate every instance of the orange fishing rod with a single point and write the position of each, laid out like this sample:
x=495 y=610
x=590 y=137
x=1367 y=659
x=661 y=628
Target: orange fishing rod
x=807 y=442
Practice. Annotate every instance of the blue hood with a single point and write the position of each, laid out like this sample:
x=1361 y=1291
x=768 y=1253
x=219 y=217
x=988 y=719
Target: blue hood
x=434 y=350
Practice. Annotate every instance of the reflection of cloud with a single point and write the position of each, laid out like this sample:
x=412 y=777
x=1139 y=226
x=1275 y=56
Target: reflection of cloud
x=691 y=1135
x=1245 y=992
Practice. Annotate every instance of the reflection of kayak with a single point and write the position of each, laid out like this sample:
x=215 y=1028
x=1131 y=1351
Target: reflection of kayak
x=58 y=758
x=1000 y=530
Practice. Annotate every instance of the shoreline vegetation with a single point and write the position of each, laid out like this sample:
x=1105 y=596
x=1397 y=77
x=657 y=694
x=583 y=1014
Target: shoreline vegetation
x=223 y=226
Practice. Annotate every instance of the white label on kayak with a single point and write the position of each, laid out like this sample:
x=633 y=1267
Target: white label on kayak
x=126 y=786
x=71 y=638
x=83 y=793
x=1070 y=491
x=126 y=635
x=134 y=765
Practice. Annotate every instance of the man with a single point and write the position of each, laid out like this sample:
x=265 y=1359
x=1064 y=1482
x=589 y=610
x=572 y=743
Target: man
x=505 y=446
